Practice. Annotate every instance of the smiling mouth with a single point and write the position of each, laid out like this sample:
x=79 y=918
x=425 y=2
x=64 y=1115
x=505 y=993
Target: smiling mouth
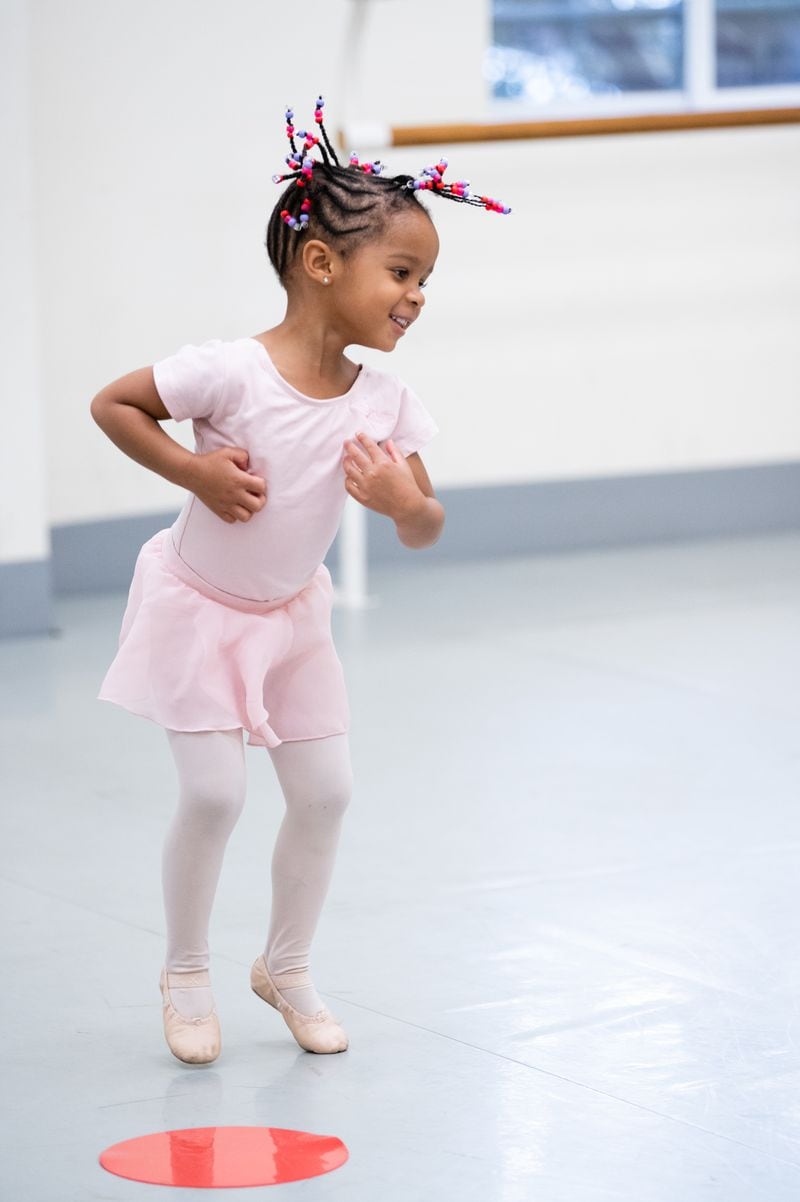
x=403 y=322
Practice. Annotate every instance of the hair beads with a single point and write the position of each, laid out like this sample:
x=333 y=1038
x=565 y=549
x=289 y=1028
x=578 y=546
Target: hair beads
x=432 y=180
x=297 y=223
x=301 y=166
x=370 y=168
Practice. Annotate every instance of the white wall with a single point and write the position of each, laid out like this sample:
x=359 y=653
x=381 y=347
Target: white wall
x=637 y=312
x=24 y=531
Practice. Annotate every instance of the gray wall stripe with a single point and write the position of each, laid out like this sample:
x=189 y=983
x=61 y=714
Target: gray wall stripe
x=510 y=519
x=26 y=598
x=564 y=515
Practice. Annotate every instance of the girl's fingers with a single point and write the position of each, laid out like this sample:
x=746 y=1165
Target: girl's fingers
x=355 y=451
x=369 y=447
x=364 y=448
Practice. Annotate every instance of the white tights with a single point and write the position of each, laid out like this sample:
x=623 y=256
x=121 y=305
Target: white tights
x=316 y=779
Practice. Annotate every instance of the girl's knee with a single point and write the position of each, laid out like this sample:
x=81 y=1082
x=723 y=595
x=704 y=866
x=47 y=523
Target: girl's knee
x=324 y=800
x=214 y=802
x=211 y=774
x=336 y=796
x=316 y=776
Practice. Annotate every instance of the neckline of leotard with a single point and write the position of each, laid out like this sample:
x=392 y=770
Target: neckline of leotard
x=313 y=400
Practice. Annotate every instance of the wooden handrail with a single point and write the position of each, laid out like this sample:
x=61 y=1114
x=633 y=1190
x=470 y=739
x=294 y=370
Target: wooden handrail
x=487 y=131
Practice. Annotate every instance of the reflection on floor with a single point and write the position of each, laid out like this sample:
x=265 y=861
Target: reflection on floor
x=562 y=931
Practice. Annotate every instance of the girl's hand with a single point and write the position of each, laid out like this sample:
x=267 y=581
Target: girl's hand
x=380 y=479
x=221 y=481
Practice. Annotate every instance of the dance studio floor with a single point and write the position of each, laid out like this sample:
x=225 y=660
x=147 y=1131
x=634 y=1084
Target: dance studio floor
x=562 y=930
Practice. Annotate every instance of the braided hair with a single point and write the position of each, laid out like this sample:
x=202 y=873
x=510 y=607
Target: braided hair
x=346 y=205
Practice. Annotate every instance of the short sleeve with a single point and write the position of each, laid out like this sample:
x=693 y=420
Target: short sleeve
x=191 y=382
x=414 y=427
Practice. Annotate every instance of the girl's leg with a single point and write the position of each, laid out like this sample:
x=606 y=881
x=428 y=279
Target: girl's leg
x=212 y=780
x=317 y=781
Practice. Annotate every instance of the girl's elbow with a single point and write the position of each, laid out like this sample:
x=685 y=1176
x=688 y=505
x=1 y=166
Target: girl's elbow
x=96 y=408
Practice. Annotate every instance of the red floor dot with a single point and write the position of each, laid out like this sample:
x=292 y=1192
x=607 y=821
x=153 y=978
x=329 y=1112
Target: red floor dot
x=215 y=1157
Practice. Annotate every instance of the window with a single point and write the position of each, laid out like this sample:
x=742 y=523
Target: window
x=757 y=42
x=556 y=56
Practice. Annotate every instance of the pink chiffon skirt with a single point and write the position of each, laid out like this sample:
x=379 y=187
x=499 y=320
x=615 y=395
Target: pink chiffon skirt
x=189 y=661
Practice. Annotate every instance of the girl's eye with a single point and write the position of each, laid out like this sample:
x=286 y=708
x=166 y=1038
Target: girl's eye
x=402 y=273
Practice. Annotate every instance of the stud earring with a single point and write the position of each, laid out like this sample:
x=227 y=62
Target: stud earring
x=325 y=280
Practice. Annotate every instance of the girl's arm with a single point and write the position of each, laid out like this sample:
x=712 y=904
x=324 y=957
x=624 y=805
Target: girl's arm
x=421 y=525
x=383 y=479
x=129 y=409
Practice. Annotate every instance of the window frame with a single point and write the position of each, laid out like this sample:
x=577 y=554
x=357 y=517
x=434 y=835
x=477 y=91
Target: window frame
x=699 y=94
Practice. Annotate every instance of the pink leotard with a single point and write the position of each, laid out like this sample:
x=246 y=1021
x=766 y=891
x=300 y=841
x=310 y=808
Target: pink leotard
x=235 y=397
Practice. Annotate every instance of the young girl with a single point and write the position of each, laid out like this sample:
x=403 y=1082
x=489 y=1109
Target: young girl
x=227 y=627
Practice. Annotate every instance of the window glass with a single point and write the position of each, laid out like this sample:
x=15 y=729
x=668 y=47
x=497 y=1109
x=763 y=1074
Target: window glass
x=758 y=42
x=562 y=50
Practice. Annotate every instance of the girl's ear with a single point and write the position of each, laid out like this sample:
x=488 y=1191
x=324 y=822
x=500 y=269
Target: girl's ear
x=317 y=259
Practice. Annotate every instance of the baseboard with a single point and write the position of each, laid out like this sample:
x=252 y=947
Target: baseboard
x=26 y=598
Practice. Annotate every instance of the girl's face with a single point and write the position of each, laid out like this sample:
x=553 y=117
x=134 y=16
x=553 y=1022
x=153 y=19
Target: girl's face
x=377 y=290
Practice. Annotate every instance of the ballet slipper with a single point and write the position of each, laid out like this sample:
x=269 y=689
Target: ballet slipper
x=318 y=1032
x=193 y=1040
